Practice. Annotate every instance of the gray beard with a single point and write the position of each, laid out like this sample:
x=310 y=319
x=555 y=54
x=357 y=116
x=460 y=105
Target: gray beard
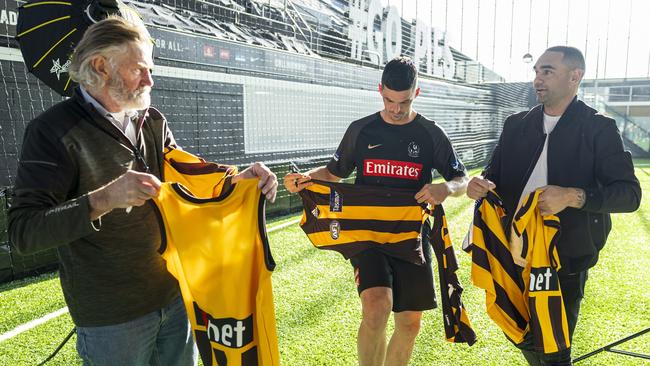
x=136 y=100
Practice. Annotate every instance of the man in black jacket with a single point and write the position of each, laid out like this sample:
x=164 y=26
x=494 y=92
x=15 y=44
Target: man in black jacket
x=88 y=166
x=574 y=155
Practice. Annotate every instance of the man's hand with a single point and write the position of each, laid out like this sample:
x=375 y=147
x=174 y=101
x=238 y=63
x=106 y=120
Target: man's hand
x=433 y=194
x=296 y=182
x=130 y=189
x=268 y=180
x=478 y=187
x=555 y=199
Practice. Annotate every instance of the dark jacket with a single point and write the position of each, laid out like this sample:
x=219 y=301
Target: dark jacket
x=585 y=150
x=112 y=272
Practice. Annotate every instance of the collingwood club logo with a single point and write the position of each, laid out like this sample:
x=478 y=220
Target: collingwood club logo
x=456 y=165
x=414 y=149
x=335 y=229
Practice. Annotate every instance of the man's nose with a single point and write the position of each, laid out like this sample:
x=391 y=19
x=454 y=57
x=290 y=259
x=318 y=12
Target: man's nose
x=147 y=79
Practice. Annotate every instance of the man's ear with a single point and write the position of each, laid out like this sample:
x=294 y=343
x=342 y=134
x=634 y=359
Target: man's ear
x=101 y=66
x=417 y=91
x=380 y=88
x=576 y=75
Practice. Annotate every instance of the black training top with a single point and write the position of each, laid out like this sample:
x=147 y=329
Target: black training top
x=398 y=156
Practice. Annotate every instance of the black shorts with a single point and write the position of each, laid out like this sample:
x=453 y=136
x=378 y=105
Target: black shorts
x=412 y=284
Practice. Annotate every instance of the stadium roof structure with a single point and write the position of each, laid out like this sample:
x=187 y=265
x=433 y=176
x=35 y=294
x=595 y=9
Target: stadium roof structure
x=318 y=28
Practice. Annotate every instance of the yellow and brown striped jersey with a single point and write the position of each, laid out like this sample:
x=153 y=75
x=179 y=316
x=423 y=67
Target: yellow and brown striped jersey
x=458 y=328
x=538 y=236
x=520 y=299
x=350 y=218
x=204 y=179
x=218 y=250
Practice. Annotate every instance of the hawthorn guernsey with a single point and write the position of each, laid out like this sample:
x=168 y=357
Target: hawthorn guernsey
x=392 y=168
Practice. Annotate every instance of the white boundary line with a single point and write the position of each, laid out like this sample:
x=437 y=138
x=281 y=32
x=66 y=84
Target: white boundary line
x=282 y=226
x=36 y=322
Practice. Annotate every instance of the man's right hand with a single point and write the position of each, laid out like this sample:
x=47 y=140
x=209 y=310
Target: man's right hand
x=296 y=182
x=130 y=189
x=478 y=187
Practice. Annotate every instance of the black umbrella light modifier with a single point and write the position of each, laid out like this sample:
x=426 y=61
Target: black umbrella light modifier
x=48 y=31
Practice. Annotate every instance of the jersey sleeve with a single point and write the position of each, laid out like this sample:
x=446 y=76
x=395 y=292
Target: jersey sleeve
x=342 y=163
x=445 y=159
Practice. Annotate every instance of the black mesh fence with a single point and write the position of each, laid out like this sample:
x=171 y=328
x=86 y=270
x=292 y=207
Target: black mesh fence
x=235 y=102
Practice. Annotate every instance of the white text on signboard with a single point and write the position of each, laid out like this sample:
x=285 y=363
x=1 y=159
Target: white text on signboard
x=375 y=33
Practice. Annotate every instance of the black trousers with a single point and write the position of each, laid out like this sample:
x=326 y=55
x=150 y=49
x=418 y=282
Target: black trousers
x=573 y=290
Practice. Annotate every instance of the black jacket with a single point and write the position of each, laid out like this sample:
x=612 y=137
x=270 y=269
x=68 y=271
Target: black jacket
x=113 y=273
x=585 y=150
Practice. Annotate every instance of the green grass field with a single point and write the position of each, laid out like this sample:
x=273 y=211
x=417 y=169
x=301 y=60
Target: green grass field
x=318 y=309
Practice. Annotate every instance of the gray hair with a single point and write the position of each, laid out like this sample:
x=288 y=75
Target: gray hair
x=106 y=38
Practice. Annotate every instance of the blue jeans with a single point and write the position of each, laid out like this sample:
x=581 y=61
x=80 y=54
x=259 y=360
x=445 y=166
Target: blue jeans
x=162 y=337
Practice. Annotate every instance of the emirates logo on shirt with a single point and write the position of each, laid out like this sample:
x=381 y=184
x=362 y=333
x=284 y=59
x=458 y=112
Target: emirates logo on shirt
x=392 y=169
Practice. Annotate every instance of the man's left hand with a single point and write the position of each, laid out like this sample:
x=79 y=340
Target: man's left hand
x=268 y=180
x=553 y=199
x=433 y=194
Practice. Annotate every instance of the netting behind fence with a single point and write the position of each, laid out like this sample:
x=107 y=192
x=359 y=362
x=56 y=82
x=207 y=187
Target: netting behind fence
x=233 y=101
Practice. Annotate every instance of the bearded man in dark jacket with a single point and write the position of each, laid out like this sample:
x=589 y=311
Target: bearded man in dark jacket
x=576 y=157
x=88 y=166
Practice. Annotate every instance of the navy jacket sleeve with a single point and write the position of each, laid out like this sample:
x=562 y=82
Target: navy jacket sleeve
x=618 y=188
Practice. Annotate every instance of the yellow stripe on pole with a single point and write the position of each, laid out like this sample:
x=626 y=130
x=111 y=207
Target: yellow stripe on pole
x=53 y=47
x=66 y=84
x=42 y=25
x=47 y=3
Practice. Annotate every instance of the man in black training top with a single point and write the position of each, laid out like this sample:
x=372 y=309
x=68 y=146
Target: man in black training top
x=397 y=148
x=576 y=156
